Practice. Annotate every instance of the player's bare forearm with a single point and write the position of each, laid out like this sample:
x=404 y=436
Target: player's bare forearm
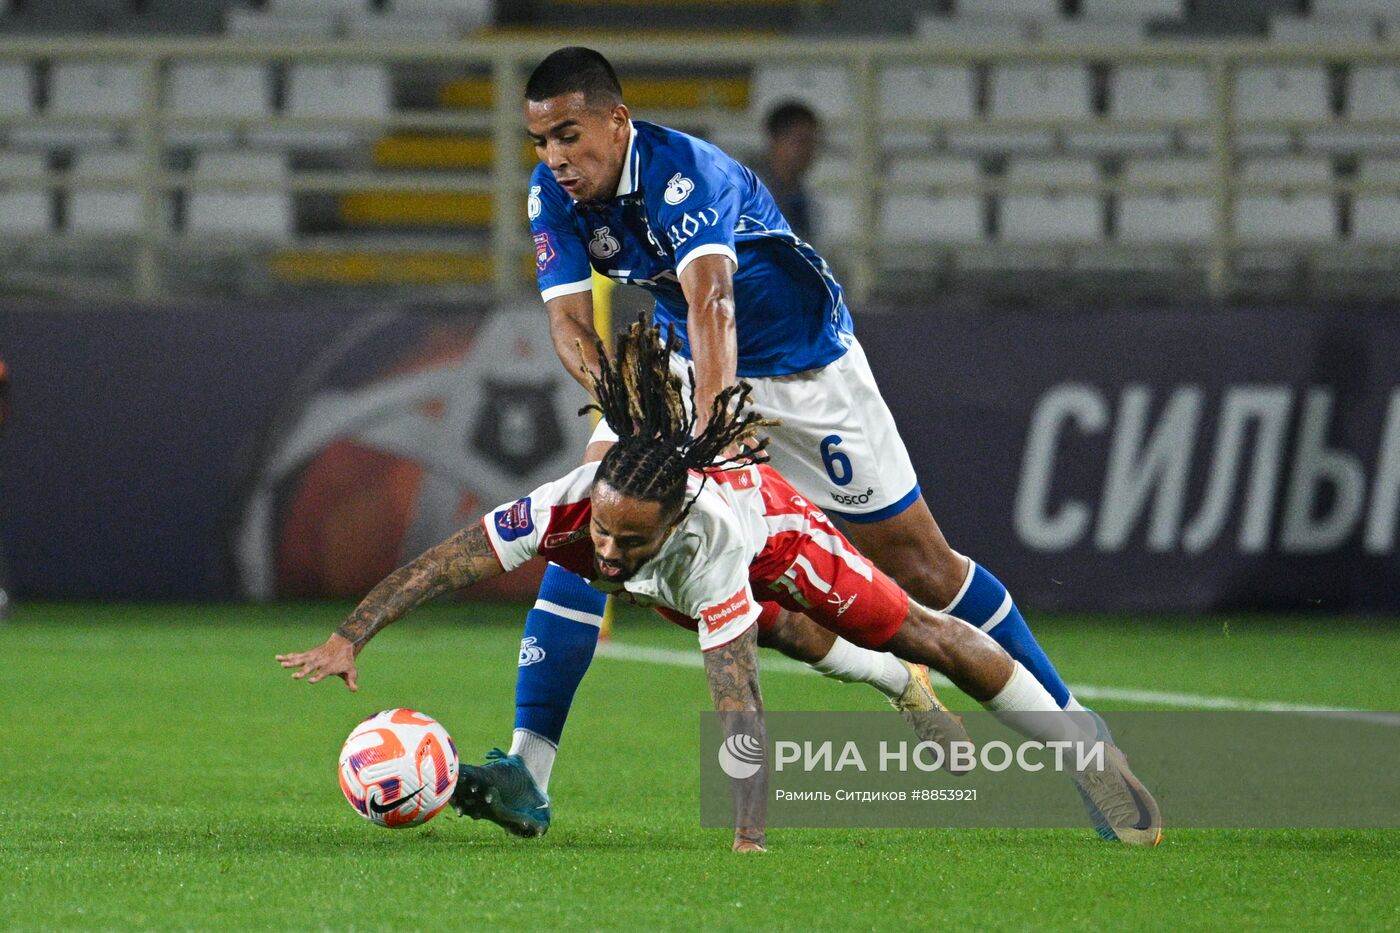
x=732 y=671
x=708 y=283
x=460 y=561
x=573 y=334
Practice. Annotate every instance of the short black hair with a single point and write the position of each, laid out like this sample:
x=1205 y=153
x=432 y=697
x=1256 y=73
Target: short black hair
x=572 y=70
x=788 y=115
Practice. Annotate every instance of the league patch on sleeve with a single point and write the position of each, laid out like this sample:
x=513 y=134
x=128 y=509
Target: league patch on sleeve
x=516 y=521
x=544 y=252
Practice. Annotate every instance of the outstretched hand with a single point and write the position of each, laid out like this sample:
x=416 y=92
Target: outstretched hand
x=335 y=657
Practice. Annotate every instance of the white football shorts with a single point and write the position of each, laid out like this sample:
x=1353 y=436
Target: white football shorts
x=837 y=443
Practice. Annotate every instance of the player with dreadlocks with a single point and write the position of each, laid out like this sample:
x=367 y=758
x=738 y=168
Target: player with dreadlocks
x=698 y=527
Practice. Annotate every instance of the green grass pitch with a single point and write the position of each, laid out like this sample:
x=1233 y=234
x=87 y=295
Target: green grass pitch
x=163 y=773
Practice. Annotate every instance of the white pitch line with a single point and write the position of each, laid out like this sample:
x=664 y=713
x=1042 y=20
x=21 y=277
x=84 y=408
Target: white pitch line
x=675 y=657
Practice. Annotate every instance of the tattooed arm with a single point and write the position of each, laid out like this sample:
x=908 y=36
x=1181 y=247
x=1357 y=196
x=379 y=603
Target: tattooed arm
x=462 y=560
x=732 y=671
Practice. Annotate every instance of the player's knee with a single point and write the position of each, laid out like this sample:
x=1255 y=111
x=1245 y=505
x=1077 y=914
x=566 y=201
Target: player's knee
x=931 y=575
x=921 y=638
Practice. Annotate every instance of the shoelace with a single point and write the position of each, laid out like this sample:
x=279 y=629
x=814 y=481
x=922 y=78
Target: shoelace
x=1119 y=809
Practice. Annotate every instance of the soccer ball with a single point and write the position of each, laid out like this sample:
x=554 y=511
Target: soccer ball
x=398 y=768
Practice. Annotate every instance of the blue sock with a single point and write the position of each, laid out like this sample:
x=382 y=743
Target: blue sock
x=986 y=604
x=561 y=633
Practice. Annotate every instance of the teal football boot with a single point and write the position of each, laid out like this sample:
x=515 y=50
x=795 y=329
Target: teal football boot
x=503 y=792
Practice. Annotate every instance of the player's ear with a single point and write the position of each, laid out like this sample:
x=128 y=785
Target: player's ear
x=619 y=116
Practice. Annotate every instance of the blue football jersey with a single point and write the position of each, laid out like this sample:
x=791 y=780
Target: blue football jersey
x=680 y=198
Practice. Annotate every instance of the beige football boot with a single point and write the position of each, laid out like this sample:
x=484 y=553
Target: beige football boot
x=926 y=714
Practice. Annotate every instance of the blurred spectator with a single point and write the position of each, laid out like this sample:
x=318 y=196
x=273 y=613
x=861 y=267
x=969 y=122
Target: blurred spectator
x=794 y=133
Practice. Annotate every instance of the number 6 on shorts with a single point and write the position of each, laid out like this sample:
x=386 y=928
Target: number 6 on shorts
x=838 y=465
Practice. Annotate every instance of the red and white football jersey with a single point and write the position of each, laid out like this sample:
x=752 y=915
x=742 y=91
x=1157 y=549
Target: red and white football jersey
x=749 y=542
x=701 y=572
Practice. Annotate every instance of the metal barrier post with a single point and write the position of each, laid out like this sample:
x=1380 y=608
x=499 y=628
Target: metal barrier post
x=148 y=128
x=1223 y=72
x=507 y=202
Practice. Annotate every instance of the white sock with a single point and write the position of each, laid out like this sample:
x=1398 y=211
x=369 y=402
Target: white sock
x=1088 y=720
x=1026 y=706
x=856 y=665
x=538 y=753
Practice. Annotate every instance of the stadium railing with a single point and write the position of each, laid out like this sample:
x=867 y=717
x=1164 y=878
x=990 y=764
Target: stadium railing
x=507 y=61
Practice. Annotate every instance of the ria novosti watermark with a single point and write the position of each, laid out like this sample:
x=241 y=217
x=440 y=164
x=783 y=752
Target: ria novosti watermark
x=1205 y=768
x=959 y=757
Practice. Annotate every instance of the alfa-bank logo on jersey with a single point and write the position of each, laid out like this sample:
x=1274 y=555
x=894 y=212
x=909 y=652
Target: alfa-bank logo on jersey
x=603 y=245
x=678 y=189
x=735 y=607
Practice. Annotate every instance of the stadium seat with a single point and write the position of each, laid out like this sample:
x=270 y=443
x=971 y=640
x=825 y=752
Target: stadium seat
x=1286 y=215
x=1020 y=91
x=1132 y=9
x=744 y=141
x=1373 y=93
x=216 y=89
x=264 y=215
x=830 y=180
x=924 y=93
x=181 y=17
x=16 y=89
x=1278 y=92
x=971 y=29
x=1091 y=32
x=391 y=26
x=466 y=15
x=318 y=7
x=1147 y=92
x=1169 y=216
x=358 y=91
x=933 y=92
x=1376 y=217
x=112 y=210
x=928 y=217
x=1313 y=29
x=1025 y=9
x=1341 y=9
x=241 y=22
x=1051 y=217
x=73 y=17
x=83 y=89
x=829 y=169
x=835 y=219
x=28 y=210
x=824 y=88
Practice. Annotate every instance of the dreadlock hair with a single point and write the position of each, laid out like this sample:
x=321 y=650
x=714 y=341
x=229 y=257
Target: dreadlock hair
x=643 y=402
